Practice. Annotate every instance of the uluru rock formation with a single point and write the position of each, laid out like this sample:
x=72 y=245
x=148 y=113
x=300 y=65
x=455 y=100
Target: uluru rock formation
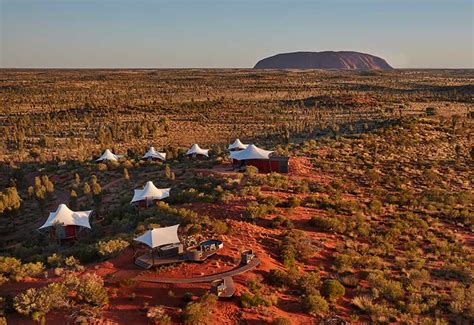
x=342 y=60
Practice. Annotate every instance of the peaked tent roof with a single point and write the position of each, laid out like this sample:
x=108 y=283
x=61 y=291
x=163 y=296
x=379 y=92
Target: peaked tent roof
x=152 y=153
x=160 y=236
x=151 y=192
x=237 y=145
x=108 y=155
x=195 y=149
x=252 y=152
x=65 y=216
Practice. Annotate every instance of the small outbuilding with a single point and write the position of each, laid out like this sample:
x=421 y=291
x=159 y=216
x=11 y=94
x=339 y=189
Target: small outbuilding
x=148 y=195
x=65 y=224
x=264 y=160
x=107 y=155
x=223 y=288
x=152 y=154
x=237 y=146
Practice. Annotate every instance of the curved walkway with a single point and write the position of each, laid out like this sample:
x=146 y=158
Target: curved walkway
x=207 y=278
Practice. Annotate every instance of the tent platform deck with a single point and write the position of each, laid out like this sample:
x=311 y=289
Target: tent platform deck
x=146 y=261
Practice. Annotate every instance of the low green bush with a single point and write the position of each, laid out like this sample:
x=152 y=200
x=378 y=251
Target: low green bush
x=314 y=304
x=111 y=247
x=332 y=290
x=198 y=312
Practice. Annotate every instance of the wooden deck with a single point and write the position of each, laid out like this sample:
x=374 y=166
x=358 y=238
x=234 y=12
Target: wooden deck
x=207 y=278
x=146 y=261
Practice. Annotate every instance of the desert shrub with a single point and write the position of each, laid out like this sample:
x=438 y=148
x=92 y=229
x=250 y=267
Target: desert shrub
x=13 y=268
x=255 y=210
x=9 y=199
x=251 y=171
x=292 y=202
x=314 y=304
x=55 y=260
x=417 y=278
x=249 y=300
x=332 y=289
x=430 y=111
x=158 y=315
x=327 y=224
x=379 y=313
x=73 y=263
x=91 y=290
x=343 y=262
x=364 y=303
x=250 y=190
x=309 y=282
x=199 y=312
x=295 y=246
x=34 y=302
x=224 y=197
x=220 y=227
x=268 y=200
x=280 y=278
x=37 y=302
x=257 y=296
x=461 y=301
x=390 y=289
x=280 y=221
x=111 y=247
x=375 y=206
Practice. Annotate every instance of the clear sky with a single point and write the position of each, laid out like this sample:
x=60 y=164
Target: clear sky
x=231 y=33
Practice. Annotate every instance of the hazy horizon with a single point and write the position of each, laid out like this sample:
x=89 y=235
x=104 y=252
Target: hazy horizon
x=430 y=34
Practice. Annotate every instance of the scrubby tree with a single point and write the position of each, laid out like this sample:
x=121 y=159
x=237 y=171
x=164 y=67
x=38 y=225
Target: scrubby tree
x=9 y=200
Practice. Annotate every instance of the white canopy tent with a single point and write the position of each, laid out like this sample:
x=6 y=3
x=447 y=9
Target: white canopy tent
x=160 y=236
x=150 y=192
x=252 y=152
x=153 y=154
x=196 y=150
x=109 y=156
x=237 y=145
x=66 y=217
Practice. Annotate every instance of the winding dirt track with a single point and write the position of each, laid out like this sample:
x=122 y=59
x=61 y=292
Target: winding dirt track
x=207 y=278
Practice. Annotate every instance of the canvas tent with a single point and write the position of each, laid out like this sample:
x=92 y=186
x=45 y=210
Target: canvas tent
x=264 y=160
x=251 y=152
x=237 y=145
x=153 y=154
x=196 y=150
x=159 y=236
x=148 y=194
x=107 y=155
x=69 y=221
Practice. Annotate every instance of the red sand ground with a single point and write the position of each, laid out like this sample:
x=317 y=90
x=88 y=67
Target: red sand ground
x=129 y=301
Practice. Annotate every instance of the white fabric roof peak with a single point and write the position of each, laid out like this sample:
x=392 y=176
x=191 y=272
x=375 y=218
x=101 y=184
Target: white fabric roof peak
x=152 y=153
x=252 y=152
x=150 y=192
x=160 y=236
x=195 y=149
x=108 y=155
x=66 y=217
x=237 y=145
